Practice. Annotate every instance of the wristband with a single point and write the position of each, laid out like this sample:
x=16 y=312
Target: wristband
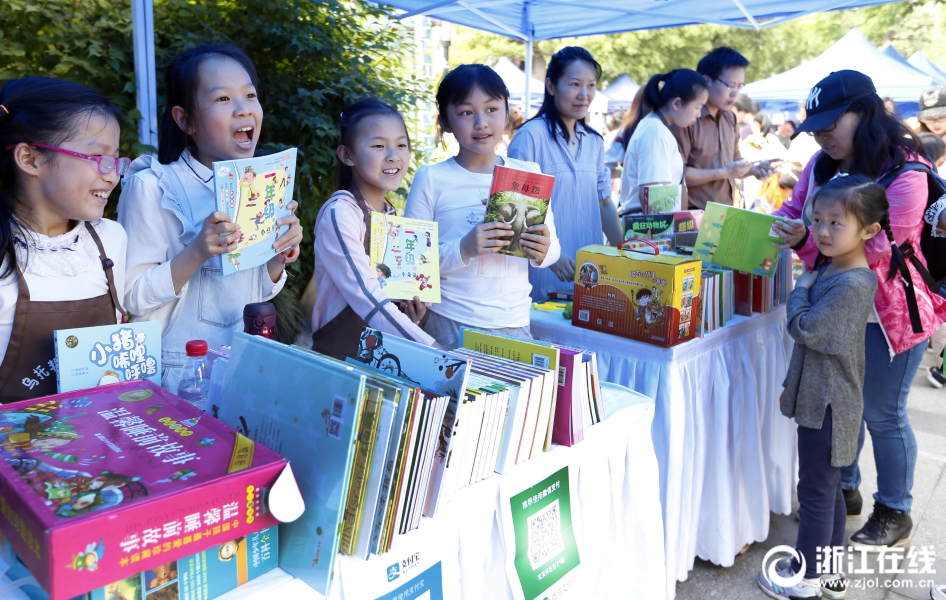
x=803 y=241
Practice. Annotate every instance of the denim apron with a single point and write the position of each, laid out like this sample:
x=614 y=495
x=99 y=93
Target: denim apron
x=212 y=306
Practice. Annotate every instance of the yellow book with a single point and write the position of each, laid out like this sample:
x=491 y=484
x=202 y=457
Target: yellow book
x=364 y=446
x=405 y=256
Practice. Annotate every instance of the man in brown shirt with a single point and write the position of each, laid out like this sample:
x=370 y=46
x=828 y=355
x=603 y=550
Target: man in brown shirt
x=710 y=147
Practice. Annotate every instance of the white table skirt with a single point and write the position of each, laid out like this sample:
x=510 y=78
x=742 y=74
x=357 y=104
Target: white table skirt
x=619 y=530
x=726 y=454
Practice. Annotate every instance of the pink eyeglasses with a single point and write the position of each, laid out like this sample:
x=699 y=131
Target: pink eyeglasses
x=106 y=162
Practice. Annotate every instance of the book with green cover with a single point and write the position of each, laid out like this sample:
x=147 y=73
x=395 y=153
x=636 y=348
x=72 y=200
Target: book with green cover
x=662 y=198
x=739 y=239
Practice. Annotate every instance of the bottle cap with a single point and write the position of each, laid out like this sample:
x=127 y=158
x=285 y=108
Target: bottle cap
x=258 y=315
x=196 y=348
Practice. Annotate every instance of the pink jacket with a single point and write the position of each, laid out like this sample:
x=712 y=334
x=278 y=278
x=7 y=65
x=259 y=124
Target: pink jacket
x=907 y=196
x=344 y=277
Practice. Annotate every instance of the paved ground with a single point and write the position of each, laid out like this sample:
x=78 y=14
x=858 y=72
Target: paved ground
x=927 y=408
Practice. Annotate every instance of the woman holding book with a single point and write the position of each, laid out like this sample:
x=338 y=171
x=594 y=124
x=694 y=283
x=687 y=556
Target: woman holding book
x=652 y=155
x=563 y=145
x=858 y=137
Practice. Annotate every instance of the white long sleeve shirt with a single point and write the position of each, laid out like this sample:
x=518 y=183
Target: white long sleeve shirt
x=344 y=277
x=157 y=235
x=64 y=267
x=490 y=291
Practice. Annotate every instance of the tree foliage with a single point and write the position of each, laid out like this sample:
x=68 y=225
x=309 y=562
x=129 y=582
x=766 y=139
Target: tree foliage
x=313 y=58
x=909 y=26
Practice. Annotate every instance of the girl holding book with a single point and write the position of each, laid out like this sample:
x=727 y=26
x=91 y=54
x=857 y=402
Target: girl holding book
x=63 y=265
x=168 y=208
x=563 y=145
x=373 y=157
x=652 y=155
x=823 y=388
x=480 y=287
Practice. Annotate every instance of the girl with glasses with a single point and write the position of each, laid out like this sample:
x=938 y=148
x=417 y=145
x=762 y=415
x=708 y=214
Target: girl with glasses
x=63 y=265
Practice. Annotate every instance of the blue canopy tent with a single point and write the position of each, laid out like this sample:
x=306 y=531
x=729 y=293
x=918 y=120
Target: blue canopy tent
x=921 y=63
x=621 y=92
x=891 y=77
x=531 y=20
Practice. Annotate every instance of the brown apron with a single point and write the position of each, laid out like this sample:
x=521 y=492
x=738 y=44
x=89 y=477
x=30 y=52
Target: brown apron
x=339 y=337
x=29 y=366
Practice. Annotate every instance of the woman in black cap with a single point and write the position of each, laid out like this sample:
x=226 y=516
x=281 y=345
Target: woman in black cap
x=858 y=137
x=932 y=115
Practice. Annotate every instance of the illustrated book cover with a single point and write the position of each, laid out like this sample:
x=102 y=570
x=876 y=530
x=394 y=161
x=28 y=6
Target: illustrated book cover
x=521 y=199
x=738 y=239
x=405 y=256
x=88 y=357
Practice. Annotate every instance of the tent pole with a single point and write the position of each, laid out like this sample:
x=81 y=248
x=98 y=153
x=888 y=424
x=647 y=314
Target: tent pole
x=142 y=19
x=528 y=95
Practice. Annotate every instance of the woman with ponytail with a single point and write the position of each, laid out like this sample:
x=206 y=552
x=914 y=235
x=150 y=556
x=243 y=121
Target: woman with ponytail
x=652 y=155
x=858 y=137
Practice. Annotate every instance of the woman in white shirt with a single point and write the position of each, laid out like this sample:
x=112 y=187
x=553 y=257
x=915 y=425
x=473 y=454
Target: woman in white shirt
x=652 y=155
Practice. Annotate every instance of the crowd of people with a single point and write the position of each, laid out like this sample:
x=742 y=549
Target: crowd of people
x=861 y=316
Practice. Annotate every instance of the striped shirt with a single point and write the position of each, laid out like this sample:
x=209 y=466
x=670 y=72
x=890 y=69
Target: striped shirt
x=581 y=181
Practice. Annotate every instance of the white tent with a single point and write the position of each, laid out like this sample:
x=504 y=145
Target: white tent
x=855 y=52
x=921 y=63
x=621 y=92
x=515 y=80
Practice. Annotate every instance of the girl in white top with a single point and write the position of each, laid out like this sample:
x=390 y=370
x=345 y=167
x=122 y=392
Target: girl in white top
x=63 y=264
x=480 y=288
x=652 y=155
x=168 y=208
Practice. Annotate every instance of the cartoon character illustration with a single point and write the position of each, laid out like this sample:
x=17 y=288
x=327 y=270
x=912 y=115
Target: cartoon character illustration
x=427 y=235
x=399 y=261
x=394 y=231
x=234 y=259
x=371 y=352
x=179 y=475
x=207 y=442
x=258 y=219
x=107 y=490
x=588 y=275
x=72 y=341
x=383 y=272
x=190 y=422
x=423 y=259
x=253 y=237
x=249 y=177
x=110 y=377
x=424 y=281
x=647 y=308
x=38 y=434
x=89 y=560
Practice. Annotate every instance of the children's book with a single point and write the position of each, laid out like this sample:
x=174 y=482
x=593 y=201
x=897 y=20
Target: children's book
x=305 y=406
x=87 y=357
x=441 y=372
x=255 y=193
x=521 y=199
x=738 y=239
x=100 y=484
x=662 y=198
x=404 y=254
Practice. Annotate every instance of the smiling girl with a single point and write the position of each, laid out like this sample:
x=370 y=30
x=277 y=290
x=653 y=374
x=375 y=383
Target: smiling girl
x=563 y=145
x=63 y=264
x=169 y=209
x=373 y=157
x=481 y=288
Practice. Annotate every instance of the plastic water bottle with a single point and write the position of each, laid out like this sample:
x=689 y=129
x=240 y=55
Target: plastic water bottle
x=195 y=383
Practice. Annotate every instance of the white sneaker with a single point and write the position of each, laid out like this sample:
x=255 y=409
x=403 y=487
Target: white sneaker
x=938 y=592
x=935 y=376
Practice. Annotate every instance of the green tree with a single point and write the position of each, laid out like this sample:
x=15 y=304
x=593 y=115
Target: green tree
x=313 y=59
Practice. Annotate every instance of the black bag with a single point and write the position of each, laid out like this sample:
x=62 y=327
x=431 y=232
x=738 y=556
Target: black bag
x=933 y=248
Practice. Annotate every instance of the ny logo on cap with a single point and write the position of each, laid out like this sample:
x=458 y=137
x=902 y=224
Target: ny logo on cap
x=813 y=98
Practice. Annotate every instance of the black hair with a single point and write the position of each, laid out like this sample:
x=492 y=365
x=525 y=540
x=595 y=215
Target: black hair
x=348 y=129
x=43 y=111
x=660 y=90
x=181 y=80
x=718 y=60
x=457 y=85
x=765 y=124
x=866 y=200
x=933 y=146
x=561 y=61
x=879 y=143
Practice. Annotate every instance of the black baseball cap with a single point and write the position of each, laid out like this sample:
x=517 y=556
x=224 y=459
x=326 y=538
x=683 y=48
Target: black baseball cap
x=832 y=97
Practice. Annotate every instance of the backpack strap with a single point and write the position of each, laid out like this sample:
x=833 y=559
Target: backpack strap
x=908 y=252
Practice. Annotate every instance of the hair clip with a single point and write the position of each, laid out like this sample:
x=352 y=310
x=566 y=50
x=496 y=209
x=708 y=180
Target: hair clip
x=5 y=109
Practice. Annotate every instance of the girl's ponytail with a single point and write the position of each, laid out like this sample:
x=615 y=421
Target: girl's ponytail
x=897 y=259
x=660 y=90
x=38 y=110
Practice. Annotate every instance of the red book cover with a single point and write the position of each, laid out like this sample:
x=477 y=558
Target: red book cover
x=757 y=305
x=743 y=285
x=521 y=199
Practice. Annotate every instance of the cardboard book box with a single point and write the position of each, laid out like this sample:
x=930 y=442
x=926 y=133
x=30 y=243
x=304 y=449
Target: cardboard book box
x=635 y=295
x=100 y=484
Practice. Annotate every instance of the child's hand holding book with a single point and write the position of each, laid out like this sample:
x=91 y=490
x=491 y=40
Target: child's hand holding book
x=536 y=242
x=485 y=238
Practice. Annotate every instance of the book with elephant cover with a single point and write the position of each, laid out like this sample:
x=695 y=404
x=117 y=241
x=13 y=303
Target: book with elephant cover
x=405 y=256
x=520 y=198
x=255 y=193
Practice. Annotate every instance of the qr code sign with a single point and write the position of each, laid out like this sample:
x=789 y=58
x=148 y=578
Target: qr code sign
x=584 y=316
x=337 y=418
x=545 y=535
